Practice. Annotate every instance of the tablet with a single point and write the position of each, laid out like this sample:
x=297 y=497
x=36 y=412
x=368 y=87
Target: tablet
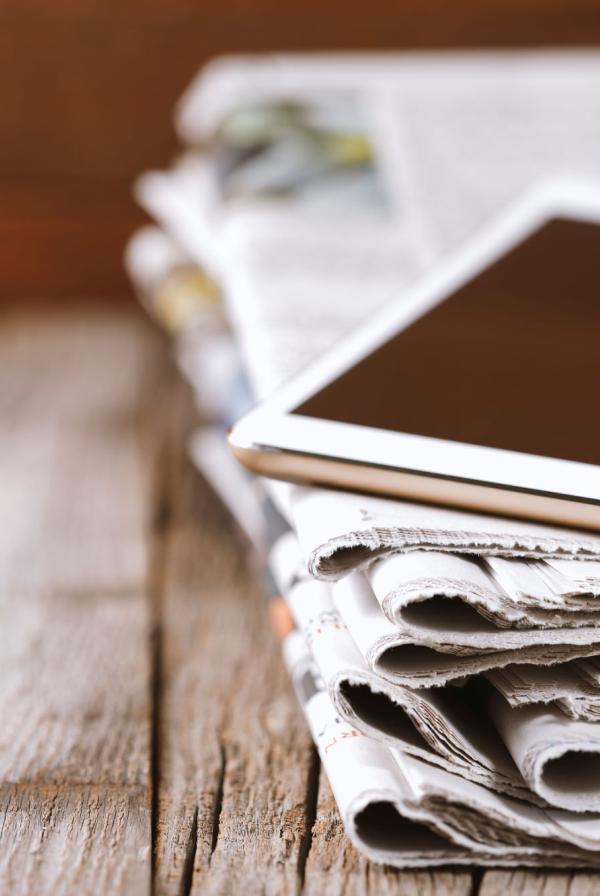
x=478 y=388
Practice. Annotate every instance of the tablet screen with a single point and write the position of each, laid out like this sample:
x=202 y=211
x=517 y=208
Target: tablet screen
x=510 y=360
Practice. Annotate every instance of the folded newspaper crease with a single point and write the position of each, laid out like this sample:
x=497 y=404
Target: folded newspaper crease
x=447 y=661
x=435 y=725
x=449 y=727
x=402 y=811
x=340 y=532
x=565 y=686
x=419 y=587
x=451 y=646
x=559 y=758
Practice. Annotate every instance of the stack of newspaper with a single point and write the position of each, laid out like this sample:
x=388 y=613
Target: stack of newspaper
x=448 y=663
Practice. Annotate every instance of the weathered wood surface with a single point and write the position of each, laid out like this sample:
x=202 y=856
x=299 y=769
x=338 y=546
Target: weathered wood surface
x=75 y=701
x=150 y=741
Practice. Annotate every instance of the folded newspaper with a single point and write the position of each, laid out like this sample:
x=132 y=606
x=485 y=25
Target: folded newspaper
x=411 y=767
x=448 y=663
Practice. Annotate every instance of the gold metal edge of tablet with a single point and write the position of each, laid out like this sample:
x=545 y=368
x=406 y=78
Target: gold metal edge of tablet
x=308 y=469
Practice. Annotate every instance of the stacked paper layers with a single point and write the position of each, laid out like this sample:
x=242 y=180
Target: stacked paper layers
x=447 y=662
x=459 y=762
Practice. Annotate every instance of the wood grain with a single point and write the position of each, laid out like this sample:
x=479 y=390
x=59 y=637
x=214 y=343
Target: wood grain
x=150 y=739
x=78 y=418
x=539 y=883
x=235 y=759
x=75 y=698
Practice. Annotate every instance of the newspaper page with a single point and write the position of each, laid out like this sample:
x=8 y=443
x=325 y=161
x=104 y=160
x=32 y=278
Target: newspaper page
x=342 y=178
x=533 y=753
x=402 y=811
x=330 y=185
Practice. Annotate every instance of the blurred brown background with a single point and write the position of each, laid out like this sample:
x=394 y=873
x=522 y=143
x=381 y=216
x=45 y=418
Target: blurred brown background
x=87 y=88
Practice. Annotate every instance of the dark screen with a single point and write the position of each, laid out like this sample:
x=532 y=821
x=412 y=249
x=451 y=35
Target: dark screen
x=510 y=360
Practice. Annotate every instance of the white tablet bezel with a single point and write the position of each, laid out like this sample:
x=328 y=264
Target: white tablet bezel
x=271 y=428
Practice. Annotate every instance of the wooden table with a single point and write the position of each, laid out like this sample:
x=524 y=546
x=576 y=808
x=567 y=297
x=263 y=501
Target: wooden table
x=149 y=739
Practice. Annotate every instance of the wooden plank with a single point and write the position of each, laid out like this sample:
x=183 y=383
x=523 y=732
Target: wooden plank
x=78 y=411
x=75 y=697
x=74 y=757
x=333 y=865
x=539 y=883
x=235 y=761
